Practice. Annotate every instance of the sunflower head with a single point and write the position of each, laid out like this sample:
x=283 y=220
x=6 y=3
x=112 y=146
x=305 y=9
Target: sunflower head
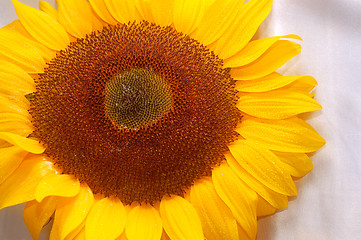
x=149 y=119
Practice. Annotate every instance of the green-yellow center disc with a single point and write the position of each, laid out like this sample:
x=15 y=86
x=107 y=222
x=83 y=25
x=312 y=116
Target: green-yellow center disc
x=137 y=97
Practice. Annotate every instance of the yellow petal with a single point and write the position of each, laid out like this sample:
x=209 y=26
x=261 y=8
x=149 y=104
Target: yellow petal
x=144 y=9
x=57 y=185
x=289 y=135
x=275 y=199
x=304 y=84
x=188 y=14
x=106 y=220
x=15 y=106
x=243 y=27
x=297 y=164
x=253 y=50
x=71 y=212
x=162 y=11
x=36 y=214
x=15 y=76
x=264 y=208
x=238 y=196
x=75 y=16
x=41 y=26
x=47 y=8
x=17 y=127
x=123 y=11
x=277 y=55
x=14 y=117
x=263 y=165
x=20 y=186
x=216 y=20
x=277 y=104
x=102 y=11
x=79 y=236
x=16 y=49
x=143 y=222
x=217 y=219
x=270 y=82
x=77 y=233
x=18 y=29
x=180 y=219
x=27 y=144
x=11 y=157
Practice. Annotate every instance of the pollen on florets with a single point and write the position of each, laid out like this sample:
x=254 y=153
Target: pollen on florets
x=124 y=152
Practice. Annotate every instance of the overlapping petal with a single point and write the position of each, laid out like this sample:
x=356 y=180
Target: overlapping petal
x=143 y=222
x=278 y=104
x=216 y=217
x=71 y=212
x=36 y=214
x=20 y=186
x=242 y=28
x=289 y=135
x=42 y=26
x=275 y=57
x=57 y=185
x=180 y=219
x=241 y=199
x=75 y=17
x=106 y=219
x=11 y=157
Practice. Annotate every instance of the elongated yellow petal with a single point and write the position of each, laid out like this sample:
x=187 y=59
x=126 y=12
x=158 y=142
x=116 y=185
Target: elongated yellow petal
x=47 y=8
x=277 y=55
x=16 y=76
x=16 y=127
x=27 y=144
x=162 y=11
x=79 y=236
x=78 y=232
x=304 y=84
x=188 y=14
x=241 y=199
x=71 y=212
x=274 y=81
x=106 y=220
x=36 y=214
x=18 y=29
x=289 y=135
x=14 y=106
x=217 y=219
x=180 y=219
x=75 y=16
x=14 y=117
x=20 y=186
x=263 y=165
x=243 y=27
x=143 y=222
x=297 y=164
x=11 y=157
x=102 y=11
x=144 y=9
x=57 y=185
x=216 y=20
x=264 y=208
x=123 y=10
x=253 y=50
x=41 y=26
x=16 y=49
x=277 y=104
x=277 y=200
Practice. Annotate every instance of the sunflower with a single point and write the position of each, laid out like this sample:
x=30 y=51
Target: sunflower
x=150 y=119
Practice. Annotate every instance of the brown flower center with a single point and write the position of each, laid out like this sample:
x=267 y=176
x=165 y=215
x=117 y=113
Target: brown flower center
x=136 y=111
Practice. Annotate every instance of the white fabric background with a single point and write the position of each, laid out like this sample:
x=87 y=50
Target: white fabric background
x=328 y=205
